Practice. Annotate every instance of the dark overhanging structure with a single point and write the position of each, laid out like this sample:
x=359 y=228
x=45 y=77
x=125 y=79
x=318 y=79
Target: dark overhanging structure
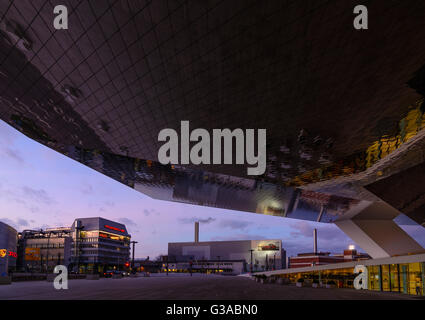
x=343 y=108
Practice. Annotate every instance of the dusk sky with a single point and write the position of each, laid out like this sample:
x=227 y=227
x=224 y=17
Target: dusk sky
x=41 y=188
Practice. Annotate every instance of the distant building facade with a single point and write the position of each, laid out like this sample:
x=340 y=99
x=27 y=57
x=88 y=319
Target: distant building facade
x=89 y=245
x=303 y=260
x=226 y=267
x=146 y=265
x=240 y=256
x=8 y=252
x=41 y=250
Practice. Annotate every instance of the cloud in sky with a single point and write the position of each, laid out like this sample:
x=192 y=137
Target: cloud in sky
x=7 y=135
x=151 y=211
x=34 y=209
x=304 y=229
x=12 y=154
x=110 y=203
x=22 y=222
x=18 y=223
x=300 y=238
x=86 y=188
x=29 y=199
x=239 y=236
x=404 y=220
x=39 y=195
x=417 y=232
x=235 y=224
x=301 y=229
x=194 y=219
x=130 y=224
x=127 y=221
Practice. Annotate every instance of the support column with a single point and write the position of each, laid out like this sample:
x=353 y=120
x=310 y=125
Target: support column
x=423 y=277
x=372 y=227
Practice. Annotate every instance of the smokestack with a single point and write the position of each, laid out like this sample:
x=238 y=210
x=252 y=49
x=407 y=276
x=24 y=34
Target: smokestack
x=315 y=241
x=197 y=231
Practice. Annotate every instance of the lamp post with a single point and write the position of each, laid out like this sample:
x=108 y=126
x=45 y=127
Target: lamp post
x=78 y=229
x=251 y=258
x=132 y=260
x=267 y=262
x=47 y=254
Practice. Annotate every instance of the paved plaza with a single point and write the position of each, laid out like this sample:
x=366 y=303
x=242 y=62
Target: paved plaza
x=181 y=287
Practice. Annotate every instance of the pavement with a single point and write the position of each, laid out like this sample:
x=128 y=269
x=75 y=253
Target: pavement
x=178 y=287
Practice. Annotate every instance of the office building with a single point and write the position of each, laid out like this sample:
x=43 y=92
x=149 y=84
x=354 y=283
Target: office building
x=98 y=245
x=90 y=245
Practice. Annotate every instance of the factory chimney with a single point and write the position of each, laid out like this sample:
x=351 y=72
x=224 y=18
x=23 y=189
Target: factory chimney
x=197 y=231
x=315 y=241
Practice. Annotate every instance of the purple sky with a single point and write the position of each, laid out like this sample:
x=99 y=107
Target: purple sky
x=41 y=188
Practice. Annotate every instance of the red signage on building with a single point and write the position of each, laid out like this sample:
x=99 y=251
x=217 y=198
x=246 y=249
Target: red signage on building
x=269 y=246
x=113 y=228
x=5 y=252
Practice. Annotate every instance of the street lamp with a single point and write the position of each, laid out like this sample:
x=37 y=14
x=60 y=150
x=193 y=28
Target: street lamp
x=47 y=253
x=267 y=262
x=78 y=229
x=132 y=260
x=251 y=258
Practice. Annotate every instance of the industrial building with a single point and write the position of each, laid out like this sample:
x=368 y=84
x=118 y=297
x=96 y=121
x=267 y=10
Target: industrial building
x=260 y=254
x=227 y=257
x=42 y=250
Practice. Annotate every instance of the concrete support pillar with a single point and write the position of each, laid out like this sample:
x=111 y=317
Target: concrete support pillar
x=372 y=227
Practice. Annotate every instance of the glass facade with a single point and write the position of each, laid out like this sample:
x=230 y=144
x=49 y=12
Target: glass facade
x=99 y=245
x=405 y=278
x=41 y=251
